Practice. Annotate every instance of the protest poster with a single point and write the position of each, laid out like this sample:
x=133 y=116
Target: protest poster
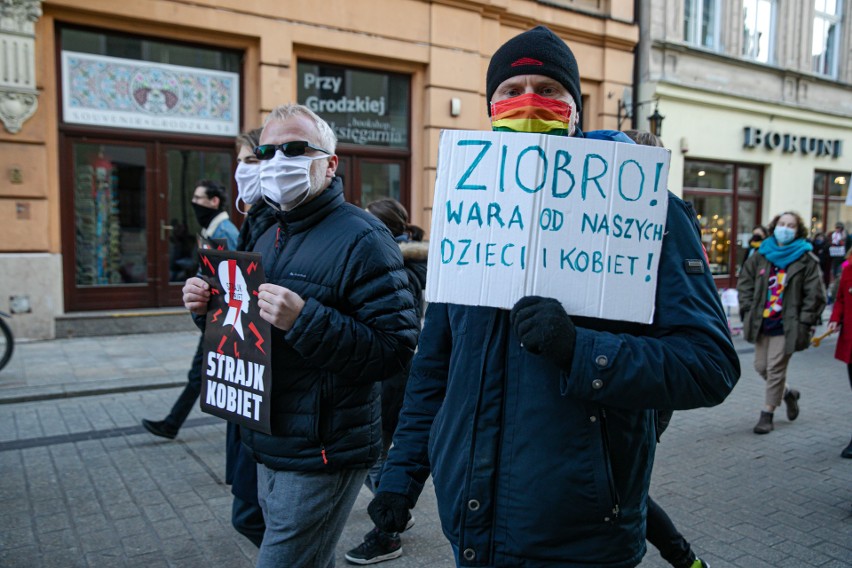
x=575 y=219
x=236 y=381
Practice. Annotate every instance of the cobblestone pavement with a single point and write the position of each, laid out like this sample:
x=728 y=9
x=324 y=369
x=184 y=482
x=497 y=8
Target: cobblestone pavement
x=82 y=484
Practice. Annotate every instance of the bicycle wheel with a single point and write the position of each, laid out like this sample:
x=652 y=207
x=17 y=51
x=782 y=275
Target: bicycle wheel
x=7 y=343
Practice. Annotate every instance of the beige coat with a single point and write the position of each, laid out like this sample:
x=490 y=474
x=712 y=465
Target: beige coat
x=802 y=302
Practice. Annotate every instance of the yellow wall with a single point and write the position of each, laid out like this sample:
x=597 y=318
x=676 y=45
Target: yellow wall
x=444 y=45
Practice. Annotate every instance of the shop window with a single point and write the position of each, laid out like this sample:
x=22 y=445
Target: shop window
x=759 y=29
x=827 y=17
x=143 y=49
x=700 y=23
x=829 y=201
x=727 y=199
x=370 y=112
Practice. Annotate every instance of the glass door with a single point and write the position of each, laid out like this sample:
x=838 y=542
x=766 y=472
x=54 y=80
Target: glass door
x=177 y=233
x=366 y=179
x=128 y=228
x=106 y=234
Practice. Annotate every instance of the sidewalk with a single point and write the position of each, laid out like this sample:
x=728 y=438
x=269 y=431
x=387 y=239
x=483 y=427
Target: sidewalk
x=82 y=484
x=59 y=368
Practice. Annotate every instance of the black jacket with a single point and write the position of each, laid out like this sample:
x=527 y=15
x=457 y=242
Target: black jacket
x=358 y=326
x=259 y=218
x=414 y=255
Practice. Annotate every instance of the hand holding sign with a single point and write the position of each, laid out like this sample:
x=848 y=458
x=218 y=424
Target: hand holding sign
x=196 y=295
x=545 y=329
x=279 y=306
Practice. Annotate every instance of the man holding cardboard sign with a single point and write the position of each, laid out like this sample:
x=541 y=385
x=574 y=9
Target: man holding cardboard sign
x=536 y=425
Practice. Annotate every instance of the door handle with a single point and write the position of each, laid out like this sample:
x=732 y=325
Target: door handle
x=164 y=228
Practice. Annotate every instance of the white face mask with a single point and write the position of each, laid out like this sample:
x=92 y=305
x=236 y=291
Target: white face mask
x=248 y=184
x=286 y=182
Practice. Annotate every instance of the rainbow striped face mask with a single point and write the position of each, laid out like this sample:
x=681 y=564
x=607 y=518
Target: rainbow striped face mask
x=531 y=113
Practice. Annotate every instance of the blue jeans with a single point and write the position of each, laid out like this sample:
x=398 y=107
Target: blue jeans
x=305 y=513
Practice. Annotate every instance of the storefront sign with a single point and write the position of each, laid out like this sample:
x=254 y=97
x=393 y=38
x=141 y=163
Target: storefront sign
x=362 y=107
x=790 y=143
x=578 y=220
x=126 y=93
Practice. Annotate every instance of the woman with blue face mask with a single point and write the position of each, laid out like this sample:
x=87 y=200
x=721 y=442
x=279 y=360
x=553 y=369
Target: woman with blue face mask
x=781 y=296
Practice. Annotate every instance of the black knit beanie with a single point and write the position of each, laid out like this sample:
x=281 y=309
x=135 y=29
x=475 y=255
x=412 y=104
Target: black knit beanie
x=535 y=52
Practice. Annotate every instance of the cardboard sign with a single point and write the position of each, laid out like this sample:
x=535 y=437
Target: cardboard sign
x=236 y=378
x=574 y=219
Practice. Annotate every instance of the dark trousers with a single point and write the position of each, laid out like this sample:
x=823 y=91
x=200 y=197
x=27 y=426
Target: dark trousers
x=183 y=405
x=849 y=371
x=247 y=518
x=661 y=532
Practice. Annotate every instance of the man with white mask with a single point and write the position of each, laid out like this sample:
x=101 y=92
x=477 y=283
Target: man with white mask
x=342 y=319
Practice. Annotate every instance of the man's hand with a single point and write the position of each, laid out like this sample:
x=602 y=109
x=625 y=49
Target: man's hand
x=196 y=295
x=833 y=326
x=389 y=511
x=545 y=329
x=279 y=306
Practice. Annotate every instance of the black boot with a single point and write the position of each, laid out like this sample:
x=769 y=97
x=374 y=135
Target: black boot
x=847 y=453
x=764 y=425
x=791 y=399
x=159 y=428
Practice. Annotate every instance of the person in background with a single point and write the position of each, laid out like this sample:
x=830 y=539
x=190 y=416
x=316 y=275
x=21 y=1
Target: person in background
x=659 y=528
x=839 y=244
x=208 y=202
x=537 y=426
x=781 y=300
x=820 y=244
x=758 y=233
x=378 y=545
x=341 y=318
x=240 y=467
x=841 y=318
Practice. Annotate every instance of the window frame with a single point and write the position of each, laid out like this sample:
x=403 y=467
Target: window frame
x=692 y=29
x=773 y=15
x=735 y=194
x=819 y=62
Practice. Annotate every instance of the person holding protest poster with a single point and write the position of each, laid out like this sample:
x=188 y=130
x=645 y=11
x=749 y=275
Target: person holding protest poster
x=781 y=298
x=342 y=319
x=240 y=467
x=537 y=426
x=379 y=546
x=208 y=202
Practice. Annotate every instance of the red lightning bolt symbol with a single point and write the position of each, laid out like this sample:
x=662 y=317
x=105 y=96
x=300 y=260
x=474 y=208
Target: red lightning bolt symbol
x=236 y=353
x=206 y=261
x=214 y=290
x=221 y=343
x=216 y=315
x=251 y=267
x=256 y=333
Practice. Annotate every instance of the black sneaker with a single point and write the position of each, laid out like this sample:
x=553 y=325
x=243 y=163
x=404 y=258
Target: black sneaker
x=159 y=428
x=377 y=547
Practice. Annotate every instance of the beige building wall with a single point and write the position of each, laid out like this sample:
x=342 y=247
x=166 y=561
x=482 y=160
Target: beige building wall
x=443 y=45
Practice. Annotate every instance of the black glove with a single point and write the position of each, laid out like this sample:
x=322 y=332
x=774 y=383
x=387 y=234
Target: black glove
x=545 y=329
x=390 y=511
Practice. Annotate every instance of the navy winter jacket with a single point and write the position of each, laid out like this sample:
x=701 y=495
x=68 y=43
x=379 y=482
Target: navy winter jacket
x=535 y=465
x=358 y=326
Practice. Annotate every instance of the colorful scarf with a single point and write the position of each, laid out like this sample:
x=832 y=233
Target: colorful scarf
x=780 y=256
x=531 y=113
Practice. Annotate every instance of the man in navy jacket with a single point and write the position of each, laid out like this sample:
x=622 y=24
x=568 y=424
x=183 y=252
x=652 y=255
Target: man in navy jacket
x=342 y=319
x=536 y=426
